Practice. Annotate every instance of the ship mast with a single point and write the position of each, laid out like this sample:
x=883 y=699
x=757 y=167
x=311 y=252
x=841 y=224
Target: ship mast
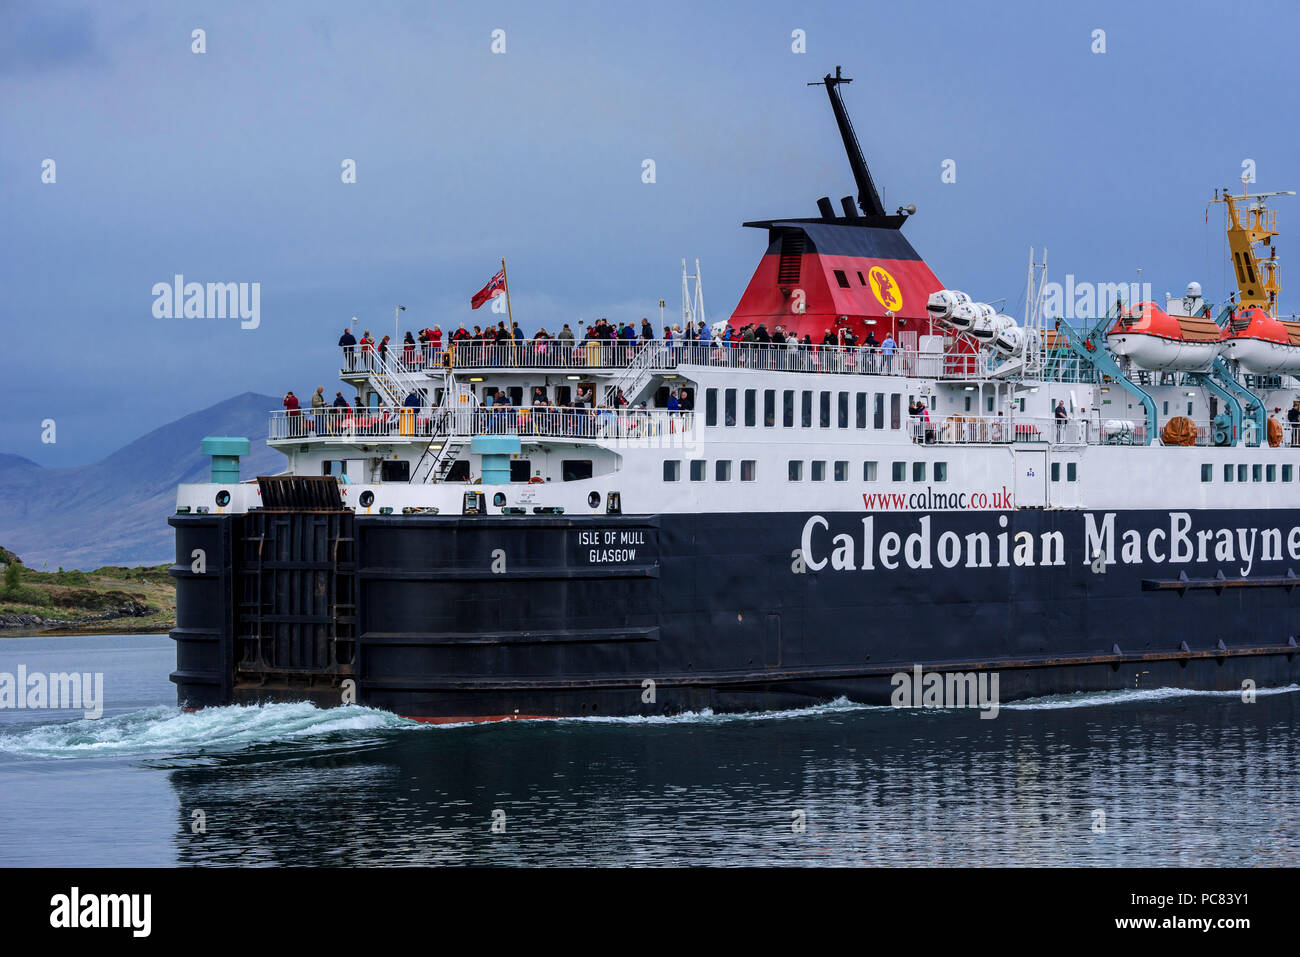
x=868 y=199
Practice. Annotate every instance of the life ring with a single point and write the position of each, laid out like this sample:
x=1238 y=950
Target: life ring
x=536 y=480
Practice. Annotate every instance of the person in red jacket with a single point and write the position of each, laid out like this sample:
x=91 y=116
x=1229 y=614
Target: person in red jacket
x=291 y=405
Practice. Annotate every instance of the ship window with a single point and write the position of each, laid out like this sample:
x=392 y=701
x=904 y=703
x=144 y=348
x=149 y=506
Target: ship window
x=819 y=471
x=575 y=470
x=710 y=406
x=896 y=411
x=1022 y=405
x=805 y=412
x=941 y=471
x=1189 y=409
x=672 y=470
x=1207 y=473
x=918 y=471
x=989 y=404
x=861 y=410
x=868 y=471
x=459 y=471
x=722 y=470
x=1056 y=471
x=1165 y=409
x=796 y=470
x=1257 y=473
x=967 y=409
x=769 y=407
x=521 y=470
x=729 y=407
x=878 y=416
x=697 y=470
x=787 y=408
x=825 y=410
x=747 y=470
x=334 y=467
x=563 y=395
x=516 y=395
x=842 y=279
x=1286 y=473
x=1227 y=473
x=1270 y=473
x=900 y=471
x=841 y=471
x=843 y=410
x=751 y=407
x=1241 y=473
x=1072 y=471
x=391 y=471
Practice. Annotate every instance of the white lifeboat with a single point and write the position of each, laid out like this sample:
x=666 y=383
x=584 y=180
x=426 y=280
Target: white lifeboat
x=1007 y=336
x=1263 y=345
x=982 y=328
x=1157 y=341
x=942 y=303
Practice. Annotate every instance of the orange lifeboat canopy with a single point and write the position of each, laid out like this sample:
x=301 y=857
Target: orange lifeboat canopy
x=1146 y=318
x=1255 y=323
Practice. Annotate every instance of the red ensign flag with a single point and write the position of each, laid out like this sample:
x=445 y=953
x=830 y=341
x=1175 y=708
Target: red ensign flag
x=495 y=287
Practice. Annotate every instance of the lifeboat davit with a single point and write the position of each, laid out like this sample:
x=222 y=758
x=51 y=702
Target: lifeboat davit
x=1263 y=345
x=1157 y=341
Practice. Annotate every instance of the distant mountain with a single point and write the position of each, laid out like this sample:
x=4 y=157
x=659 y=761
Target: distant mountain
x=114 y=512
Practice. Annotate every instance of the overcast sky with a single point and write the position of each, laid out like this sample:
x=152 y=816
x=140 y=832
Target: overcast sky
x=225 y=167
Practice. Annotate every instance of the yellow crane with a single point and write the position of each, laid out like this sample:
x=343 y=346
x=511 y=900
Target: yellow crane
x=1257 y=273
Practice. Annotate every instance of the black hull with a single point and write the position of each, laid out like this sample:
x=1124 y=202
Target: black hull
x=449 y=618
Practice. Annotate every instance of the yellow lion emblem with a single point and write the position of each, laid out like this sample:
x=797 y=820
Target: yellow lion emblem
x=885 y=288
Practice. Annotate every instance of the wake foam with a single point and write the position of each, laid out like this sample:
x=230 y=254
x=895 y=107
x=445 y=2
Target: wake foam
x=1095 y=699
x=165 y=729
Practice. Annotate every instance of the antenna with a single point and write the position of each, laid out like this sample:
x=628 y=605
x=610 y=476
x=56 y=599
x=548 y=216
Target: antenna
x=868 y=199
x=692 y=302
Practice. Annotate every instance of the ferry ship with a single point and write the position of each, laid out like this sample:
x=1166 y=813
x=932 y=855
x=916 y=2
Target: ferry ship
x=871 y=474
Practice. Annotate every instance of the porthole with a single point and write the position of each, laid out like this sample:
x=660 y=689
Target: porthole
x=499 y=499
x=593 y=499
x=367 y=499
x=223 y=498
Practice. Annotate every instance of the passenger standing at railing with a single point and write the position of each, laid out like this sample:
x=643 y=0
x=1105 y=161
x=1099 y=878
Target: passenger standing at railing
x=1293 y=417
x=869 y=346
x=887 y=349
x=848 y=350
x=291 y=414
x=408 y=350
x=318 y=410
x=383 y=351
x=349 y=344
x=1061 y=417
x=338 y=412
x=647 y=330
x=367 y=349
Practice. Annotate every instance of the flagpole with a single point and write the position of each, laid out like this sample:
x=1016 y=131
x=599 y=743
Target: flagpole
x=505 y=281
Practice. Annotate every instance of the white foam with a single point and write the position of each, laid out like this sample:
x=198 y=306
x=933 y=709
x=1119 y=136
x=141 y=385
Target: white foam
x=1093 y=699
x=165 y=729
x=707 y=715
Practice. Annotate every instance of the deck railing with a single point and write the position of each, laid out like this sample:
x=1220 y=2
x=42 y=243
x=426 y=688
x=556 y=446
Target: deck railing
x=602 y=354
x=351 y=425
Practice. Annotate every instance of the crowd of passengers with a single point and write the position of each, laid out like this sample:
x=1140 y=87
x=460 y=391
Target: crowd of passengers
x=616 y=342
